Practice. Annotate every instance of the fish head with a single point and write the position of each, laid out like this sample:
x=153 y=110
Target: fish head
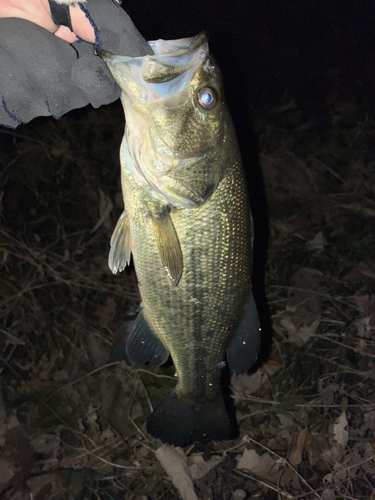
x=178 y=125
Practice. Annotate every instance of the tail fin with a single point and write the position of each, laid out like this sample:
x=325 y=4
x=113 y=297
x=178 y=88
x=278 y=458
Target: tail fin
x=180 y=421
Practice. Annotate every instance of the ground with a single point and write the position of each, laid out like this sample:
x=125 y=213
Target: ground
x=73 y=415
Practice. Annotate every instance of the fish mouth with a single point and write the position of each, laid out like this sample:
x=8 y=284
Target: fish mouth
x=153 y=77
x=161 y=48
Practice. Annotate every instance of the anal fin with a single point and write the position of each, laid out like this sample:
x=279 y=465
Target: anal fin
x=120 y=253
x=168 y=246
x=244 y=347
x=143 y=346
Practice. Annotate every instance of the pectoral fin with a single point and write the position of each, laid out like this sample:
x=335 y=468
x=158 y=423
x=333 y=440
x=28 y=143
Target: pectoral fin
x=168 y=246
x=244 y=347
x=120 y=253
x=143 y=346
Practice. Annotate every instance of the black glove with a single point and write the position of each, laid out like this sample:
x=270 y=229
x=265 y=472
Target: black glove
x=42 y=75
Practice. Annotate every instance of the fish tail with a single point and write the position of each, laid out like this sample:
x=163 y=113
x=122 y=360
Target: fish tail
x=179 y=421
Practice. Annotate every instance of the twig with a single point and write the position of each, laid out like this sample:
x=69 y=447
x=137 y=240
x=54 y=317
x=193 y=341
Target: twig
x=88 y=452
x=266 y=484
x=13 y=338
x=361 y=463
x=344 y=345
x=41 y=401
x=138 y=429
x=157 y=375
x=82 y=378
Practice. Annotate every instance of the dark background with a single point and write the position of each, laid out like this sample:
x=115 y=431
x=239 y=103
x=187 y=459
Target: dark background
x=267 y=48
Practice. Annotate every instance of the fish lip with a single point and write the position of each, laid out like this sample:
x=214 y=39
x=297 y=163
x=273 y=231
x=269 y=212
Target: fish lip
x=106 y=55
x=161 y=48
x=178 y=47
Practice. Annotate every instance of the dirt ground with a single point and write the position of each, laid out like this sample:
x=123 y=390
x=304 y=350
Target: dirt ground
x=72 y=413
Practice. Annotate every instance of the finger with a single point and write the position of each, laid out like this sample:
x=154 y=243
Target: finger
x=36 y=82
x=91 y=75
x=114 y=30
x=35 y=11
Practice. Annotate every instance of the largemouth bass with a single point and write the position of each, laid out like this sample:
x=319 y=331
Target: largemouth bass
x=188 y=225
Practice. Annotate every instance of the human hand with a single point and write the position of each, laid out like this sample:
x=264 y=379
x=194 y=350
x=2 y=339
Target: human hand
x=47 y=69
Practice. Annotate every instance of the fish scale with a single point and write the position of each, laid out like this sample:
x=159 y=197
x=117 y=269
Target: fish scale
x=188 y=224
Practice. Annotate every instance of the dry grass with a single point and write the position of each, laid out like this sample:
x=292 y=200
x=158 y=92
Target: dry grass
x=73 y=417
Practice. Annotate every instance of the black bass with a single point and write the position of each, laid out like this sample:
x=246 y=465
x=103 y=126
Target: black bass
x=187 y=223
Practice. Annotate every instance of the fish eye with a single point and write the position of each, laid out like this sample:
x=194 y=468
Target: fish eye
x=206 y=98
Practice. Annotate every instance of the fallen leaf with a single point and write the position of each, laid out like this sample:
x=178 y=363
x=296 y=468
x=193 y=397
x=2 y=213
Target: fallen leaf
x=199 y=468
x=304 y=439
x=263 y=466
x=105 y=208
x=363 y=326
x=107 y=312
x=174 y=462
x=304 y=306
x=239 y=495
x=287 y=428
x=328 y=494
x=317 y=243
x=49 y=486
x=48 y=444
x=245 y=384
x=299 y=336
x=340 y=430
x=7 y=471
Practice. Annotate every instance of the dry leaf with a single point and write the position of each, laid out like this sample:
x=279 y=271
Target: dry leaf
x=304 y=439
x=263 y=466
x=243 y=385
x=363 y=326
x=239 y=495
x=174 y=462
x=7 y=471
x=317 y=243
x=199 y=468
x=304 y=306
x=48 y=444
x=51 y=483
x=328 y=494
x=287 y=428
x=107 y=312
x=340 y=430
x=105 y=208
x=299 y=336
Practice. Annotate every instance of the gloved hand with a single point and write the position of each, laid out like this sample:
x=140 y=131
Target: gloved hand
x=41 y=74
